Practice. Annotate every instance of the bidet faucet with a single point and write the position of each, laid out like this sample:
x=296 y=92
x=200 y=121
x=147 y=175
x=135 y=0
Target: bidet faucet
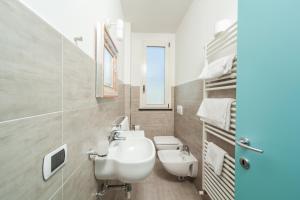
x=115 y=135
x=185 y=148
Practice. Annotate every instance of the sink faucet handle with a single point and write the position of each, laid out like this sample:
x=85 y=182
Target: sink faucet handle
x=115 y=135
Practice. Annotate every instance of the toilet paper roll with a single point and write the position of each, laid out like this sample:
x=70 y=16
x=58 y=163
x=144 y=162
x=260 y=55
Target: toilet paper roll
x=102 y=147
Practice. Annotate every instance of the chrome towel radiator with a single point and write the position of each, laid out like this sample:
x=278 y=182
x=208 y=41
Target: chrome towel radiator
x=221 y=187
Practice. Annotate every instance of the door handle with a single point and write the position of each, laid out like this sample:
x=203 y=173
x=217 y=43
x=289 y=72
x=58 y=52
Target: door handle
x=245 y=143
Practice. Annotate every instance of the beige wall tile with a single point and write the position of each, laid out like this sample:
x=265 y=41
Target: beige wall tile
x=23 y=144
x=58 y=195
x=79 y=78
x=82 y=184
x=77 y=129
x=30 y=64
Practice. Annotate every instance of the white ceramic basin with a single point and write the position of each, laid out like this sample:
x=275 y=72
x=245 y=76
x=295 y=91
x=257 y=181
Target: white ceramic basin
x=129 y=161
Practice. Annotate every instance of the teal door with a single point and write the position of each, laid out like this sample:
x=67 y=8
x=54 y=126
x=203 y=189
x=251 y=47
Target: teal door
x=268 y=100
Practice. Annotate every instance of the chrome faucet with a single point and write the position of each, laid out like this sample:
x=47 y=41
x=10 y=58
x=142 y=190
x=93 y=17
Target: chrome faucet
x=185 y=148
x=115 y=135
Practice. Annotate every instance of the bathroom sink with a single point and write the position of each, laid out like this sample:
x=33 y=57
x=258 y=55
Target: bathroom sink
x=129 y=161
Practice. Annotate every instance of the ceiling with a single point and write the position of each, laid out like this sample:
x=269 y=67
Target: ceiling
x=155 y=16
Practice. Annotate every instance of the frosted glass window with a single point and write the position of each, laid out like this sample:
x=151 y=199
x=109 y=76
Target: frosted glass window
x=108 y=68
x=155 y=78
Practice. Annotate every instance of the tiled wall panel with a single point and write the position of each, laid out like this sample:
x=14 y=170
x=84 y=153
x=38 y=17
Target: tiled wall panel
x=47 y=98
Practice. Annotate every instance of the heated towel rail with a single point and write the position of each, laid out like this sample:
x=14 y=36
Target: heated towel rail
x=221 y=187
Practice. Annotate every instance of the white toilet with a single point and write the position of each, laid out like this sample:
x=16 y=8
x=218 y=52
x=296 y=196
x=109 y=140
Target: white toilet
x=175 y=161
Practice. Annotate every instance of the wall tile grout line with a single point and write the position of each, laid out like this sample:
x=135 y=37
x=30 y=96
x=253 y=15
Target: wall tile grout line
x=53 y=195
x=63 y=183
x=29 y=117
x=70 y=176
x=62 y=105
x=51 y=113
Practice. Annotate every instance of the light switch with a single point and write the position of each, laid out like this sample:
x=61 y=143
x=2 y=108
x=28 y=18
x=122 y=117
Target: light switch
x=179 y=109
x=54 y=161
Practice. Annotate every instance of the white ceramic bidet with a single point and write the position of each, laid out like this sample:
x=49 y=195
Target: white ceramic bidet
x=179 y=163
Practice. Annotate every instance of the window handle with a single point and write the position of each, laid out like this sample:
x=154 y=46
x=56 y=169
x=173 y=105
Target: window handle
x=144 y=88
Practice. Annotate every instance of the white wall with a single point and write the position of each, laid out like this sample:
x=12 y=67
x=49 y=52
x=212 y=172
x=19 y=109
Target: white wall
x=127 y=54
x=137 y=45
x=75 y=18
x=195 y=30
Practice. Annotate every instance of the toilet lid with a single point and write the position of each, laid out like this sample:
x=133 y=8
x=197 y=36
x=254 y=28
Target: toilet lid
x=166 y=140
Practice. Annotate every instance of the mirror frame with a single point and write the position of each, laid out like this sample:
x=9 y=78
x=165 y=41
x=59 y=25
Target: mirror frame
x=104 y=41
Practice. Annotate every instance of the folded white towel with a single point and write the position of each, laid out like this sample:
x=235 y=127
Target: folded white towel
x=216 y=111
x=217 y=68
x=215 y=157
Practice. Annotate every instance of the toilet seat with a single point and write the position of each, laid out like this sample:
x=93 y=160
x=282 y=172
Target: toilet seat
x=167 y=143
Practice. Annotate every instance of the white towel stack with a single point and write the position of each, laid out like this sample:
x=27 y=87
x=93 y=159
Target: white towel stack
x=217 y=68
x=215 y=157
x=216 y=111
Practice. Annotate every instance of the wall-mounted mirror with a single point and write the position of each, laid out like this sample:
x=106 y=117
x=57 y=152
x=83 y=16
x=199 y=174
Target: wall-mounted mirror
x=106 y=63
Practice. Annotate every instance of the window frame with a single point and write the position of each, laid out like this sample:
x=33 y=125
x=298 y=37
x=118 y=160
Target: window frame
x=105 y=41
x=143 y=87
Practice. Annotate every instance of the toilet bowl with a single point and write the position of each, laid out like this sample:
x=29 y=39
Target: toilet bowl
x=167 y=143
x=178 y=163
